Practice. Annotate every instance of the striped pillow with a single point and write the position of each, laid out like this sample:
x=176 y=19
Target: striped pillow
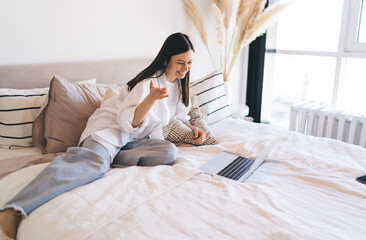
x=211 y=97
x=177 y=132
x=18 y=109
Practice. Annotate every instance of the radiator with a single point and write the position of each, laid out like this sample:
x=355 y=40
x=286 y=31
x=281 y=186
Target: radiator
x=318 y=120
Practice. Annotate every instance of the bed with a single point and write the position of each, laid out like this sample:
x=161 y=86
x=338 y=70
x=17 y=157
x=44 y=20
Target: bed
x=306 y=188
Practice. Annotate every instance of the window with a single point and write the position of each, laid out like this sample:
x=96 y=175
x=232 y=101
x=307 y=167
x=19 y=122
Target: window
x=356 y=32
x=361 y=38
x=316 y=52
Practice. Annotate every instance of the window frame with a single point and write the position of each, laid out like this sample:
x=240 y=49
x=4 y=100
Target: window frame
x=354 y=10
x=348 y=47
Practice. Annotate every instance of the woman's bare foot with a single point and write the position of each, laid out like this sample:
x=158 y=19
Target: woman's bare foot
x=9 y=222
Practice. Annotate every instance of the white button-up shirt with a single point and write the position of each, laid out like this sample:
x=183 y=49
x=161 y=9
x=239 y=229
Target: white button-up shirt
x=111 y=124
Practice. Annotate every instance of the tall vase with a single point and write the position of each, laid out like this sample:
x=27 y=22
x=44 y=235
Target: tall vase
x=238 y=110
x=227 y=91
x=228 y=95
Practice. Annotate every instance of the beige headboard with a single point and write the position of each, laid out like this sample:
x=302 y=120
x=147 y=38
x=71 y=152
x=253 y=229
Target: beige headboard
x=40 y=75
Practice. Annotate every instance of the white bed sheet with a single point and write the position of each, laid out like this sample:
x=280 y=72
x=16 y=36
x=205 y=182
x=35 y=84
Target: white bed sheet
x=18 y=152
x=305 y=190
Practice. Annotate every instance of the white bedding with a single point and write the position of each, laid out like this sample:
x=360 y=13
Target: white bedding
x=18 y=152
x=305 y=190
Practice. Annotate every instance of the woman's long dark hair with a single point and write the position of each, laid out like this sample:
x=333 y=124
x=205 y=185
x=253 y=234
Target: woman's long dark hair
x=176 y=43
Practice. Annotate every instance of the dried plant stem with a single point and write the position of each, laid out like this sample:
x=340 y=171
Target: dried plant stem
x=230 y=50
x=212 y=61
x=232 y=62
x=220 y=31
x=193 y=13
x=226 y=56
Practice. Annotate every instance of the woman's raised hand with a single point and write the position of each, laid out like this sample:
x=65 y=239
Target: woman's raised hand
x=143 y=108
x=156 y=92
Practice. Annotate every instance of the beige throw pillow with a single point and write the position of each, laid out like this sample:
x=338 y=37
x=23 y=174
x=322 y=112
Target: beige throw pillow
x=175 y=131
x=64 y=118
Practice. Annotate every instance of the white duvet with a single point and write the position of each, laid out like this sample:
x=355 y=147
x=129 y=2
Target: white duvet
x=305 y=190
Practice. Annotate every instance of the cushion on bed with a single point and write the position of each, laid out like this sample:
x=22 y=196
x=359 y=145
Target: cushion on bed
x=63 y=120
x=177 y=132
x=211 y=97
x=18 y=109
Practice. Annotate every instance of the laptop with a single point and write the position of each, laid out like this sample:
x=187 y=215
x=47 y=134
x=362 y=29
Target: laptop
x=236 y=167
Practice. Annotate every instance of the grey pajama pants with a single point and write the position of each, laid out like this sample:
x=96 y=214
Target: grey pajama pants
x=84 y=164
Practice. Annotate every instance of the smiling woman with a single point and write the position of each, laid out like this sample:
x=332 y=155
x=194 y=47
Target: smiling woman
x=118 y=206
x=179 y=65
x=126 y=129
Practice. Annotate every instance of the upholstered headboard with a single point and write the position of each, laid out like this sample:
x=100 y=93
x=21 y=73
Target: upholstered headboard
x=40 y=75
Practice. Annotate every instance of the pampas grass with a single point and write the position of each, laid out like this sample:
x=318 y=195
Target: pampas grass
x=263 y=21
x=250 y=19
x=220 y=30
x=194 y=15
x=253 y=24
x=226 y=8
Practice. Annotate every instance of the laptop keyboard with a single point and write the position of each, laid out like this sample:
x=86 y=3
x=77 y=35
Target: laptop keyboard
x=236 y=168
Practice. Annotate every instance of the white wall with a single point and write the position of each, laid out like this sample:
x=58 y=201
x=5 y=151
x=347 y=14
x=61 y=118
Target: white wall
x=44 y=31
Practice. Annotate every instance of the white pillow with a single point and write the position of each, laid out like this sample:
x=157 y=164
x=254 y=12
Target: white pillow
x=18 y=109
x=211 y=97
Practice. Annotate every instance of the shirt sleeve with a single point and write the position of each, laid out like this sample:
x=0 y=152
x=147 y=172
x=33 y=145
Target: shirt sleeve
x=127 y=107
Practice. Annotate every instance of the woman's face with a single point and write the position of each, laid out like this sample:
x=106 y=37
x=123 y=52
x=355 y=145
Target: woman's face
x=179 y=65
